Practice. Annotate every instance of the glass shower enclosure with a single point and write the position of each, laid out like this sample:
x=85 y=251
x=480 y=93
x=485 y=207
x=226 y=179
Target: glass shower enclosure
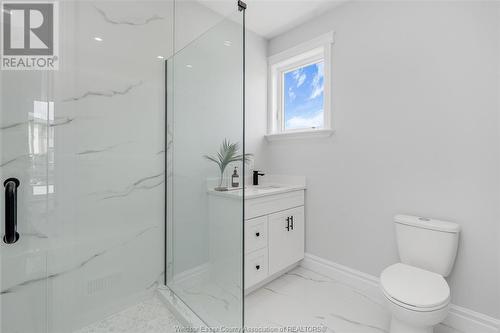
x=108 y=193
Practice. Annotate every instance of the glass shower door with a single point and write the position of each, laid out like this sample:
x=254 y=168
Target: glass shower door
x=86 y=142
x=25 y=118
x=204 y=201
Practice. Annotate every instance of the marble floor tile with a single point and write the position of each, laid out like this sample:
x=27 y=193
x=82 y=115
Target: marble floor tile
x=304 y=298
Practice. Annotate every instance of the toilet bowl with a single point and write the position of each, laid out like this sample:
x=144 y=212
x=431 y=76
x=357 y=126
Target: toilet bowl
x=417 y=299
x=416 y=293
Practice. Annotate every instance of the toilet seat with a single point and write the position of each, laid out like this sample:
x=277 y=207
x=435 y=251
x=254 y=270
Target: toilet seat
x=414 y=288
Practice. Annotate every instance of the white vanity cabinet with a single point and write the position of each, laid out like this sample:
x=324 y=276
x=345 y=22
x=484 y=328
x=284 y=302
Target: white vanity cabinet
x=273 y=232
x=274 y=236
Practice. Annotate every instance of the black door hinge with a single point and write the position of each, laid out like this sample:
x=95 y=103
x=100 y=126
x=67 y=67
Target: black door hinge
x=241 y=5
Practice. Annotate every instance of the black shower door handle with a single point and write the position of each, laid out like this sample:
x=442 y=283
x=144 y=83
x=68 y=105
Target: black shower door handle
x=11 y=236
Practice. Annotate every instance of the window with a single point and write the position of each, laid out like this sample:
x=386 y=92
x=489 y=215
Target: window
x=303 y=97
x=299 y=96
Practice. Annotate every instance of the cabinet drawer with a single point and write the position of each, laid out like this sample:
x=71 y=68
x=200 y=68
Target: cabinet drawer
x=273 y=203
x=255 y=234
x=286 y=238
x=256 y=267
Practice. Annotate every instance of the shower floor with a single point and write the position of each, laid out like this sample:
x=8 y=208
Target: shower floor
x=150 y=316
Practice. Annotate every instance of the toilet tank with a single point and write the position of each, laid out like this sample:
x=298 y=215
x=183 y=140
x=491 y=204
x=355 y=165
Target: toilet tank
x=427 y=243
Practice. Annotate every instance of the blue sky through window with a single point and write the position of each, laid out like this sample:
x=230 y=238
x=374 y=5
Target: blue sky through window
x=303 y=97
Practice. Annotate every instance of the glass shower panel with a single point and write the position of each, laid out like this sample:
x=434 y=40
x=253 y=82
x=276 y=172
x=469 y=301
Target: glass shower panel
x=205 y=213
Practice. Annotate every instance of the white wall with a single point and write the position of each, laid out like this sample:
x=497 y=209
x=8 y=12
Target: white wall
x=256 y=95
x=415 y=89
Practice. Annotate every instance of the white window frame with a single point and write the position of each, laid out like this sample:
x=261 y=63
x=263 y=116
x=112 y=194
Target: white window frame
x=313 y=51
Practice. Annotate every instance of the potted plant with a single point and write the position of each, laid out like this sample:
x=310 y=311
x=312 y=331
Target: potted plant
x=228 y=153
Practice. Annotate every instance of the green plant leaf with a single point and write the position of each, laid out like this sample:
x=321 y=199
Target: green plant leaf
x=227 y=154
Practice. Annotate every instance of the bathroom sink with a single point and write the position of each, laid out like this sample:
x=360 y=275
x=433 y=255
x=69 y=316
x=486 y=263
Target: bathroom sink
x=262 y=189
x=256 y=190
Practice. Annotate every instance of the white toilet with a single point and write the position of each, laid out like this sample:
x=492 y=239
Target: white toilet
x=417 y=294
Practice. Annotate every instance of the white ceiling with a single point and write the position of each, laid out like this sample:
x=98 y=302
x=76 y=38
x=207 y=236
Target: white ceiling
x=270 y=18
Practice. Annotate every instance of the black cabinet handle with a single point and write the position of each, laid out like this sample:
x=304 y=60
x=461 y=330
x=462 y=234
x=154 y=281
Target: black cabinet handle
x=11 y=236
x=257 y=267
x=289 y=223
x=257 y=234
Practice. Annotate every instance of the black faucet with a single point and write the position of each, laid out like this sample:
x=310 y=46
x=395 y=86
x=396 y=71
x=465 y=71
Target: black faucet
x=256 y=175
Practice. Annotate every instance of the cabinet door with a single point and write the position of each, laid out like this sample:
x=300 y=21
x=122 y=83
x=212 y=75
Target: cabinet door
x=286 y=238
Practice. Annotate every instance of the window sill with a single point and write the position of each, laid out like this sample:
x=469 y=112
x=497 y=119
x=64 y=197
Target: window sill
x=307 y=134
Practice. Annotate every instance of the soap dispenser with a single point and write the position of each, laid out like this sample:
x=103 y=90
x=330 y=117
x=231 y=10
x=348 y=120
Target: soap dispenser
x=235 y=178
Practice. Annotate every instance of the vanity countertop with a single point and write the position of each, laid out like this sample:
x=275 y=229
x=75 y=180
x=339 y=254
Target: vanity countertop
x=252 y=192
x=271 y=185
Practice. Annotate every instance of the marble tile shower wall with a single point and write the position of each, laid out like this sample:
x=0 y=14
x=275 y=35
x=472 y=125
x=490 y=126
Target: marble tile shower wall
x=87 y=143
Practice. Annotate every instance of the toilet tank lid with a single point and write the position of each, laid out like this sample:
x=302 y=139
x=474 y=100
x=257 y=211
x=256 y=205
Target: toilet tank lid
x=427 y=223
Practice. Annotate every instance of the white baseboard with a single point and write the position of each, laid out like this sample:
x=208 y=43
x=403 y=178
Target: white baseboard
x=467 y=320
x=460 y=319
